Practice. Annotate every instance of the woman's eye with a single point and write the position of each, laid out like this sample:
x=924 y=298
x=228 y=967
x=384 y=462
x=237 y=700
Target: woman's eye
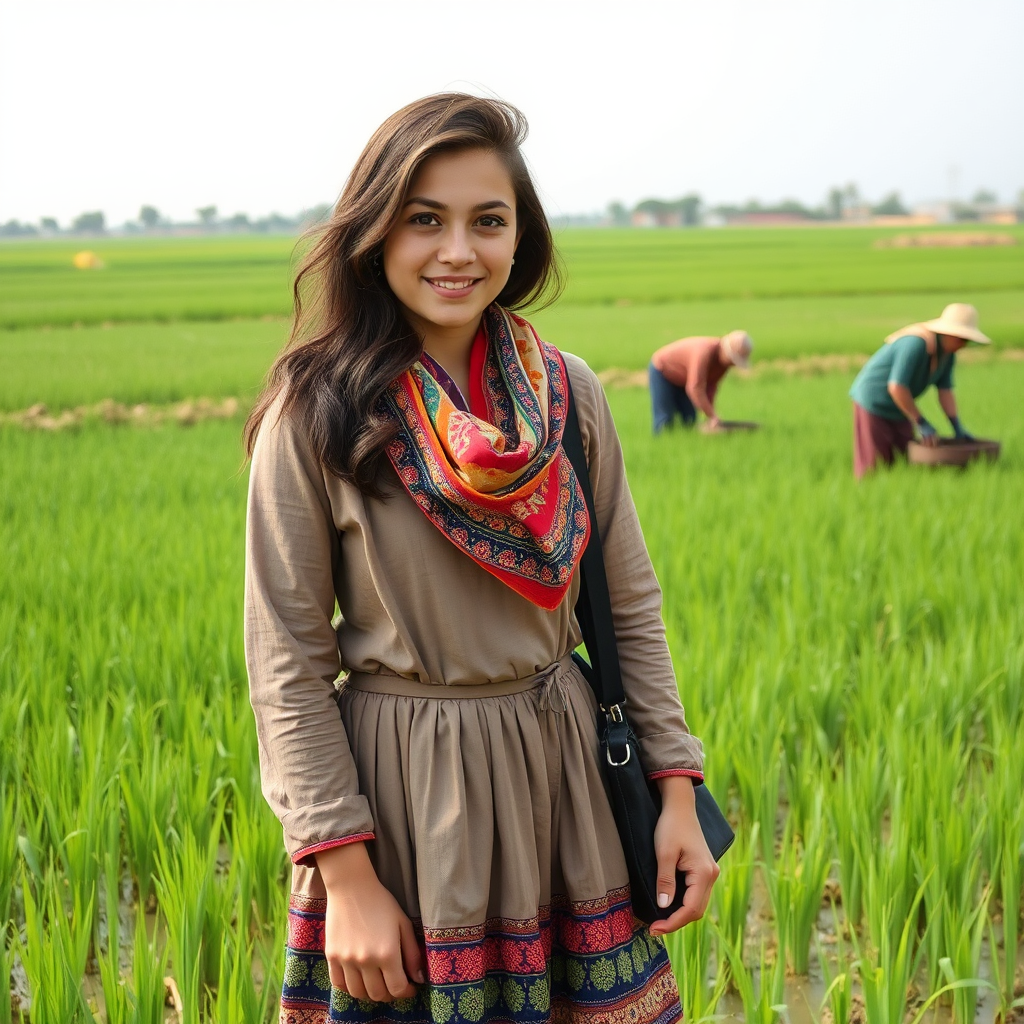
x=426 y=219
x=491 y=221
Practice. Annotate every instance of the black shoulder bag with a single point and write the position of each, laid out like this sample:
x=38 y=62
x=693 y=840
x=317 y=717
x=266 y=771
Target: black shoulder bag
x=636 y=803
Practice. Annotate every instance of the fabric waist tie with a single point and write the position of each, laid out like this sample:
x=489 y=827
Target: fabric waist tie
x=548 y=680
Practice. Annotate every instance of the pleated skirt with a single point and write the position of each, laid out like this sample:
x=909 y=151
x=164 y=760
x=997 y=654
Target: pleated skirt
x=495 y=835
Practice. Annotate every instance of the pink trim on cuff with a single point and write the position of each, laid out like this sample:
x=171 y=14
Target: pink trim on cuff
x=688 y=772
x=307 y=851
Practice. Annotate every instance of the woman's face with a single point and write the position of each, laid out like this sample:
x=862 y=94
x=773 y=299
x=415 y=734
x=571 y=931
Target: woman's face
x=450 y=254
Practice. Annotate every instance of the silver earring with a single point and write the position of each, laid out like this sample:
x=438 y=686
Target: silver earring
x=513 y=261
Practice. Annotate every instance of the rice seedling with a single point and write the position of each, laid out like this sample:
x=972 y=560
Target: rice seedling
x=198 y=900
x=695 y=957
x=117 y=1000
x=149 y=967
x=6 y=967
x=887 y=971
x=182 y=884
x=837 y=975
x=260 y=863
x=238 y=1000
x=763 y=999
x=758 y=779
x=8 y=849
x=1010 y=873
x=856 y=815
x=963 y=932
x=731 y=896
x=54 y=953
x=796 y=884
x=148 y=794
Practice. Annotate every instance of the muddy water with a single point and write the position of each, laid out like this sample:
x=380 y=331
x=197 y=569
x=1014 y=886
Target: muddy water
x=804 y=997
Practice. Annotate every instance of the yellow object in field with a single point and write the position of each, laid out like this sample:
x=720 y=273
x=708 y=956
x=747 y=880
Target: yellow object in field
x=87 y=260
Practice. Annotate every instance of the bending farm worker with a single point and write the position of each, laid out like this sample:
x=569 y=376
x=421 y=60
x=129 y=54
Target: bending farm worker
x=684 y=376
x=885 y=413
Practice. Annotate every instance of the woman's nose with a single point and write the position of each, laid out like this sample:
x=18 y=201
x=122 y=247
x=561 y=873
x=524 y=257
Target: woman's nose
x=456 y=248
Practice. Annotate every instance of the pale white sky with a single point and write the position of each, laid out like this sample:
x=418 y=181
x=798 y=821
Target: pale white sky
x=261 y=105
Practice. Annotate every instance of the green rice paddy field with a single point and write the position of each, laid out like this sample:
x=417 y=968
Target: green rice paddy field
x=852 y=655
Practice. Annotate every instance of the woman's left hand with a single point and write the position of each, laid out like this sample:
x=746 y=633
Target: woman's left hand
x=680 y=845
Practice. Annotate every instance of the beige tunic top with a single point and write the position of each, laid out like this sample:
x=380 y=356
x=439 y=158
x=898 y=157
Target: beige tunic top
x=412 y=604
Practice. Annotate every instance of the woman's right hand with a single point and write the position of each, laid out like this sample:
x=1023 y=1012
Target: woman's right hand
x=369 y=942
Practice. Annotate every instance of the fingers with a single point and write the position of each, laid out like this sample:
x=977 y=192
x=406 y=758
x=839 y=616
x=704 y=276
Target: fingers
x=700 y=880
x=367 y=983
x=382 y=974
x=396 y=982
x=377 y=984
x=370 y=945
x=337 y=972
x=666 y=884
x=412 y=958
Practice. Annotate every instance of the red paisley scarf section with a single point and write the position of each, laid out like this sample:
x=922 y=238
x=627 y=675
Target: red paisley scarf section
x=495 y=480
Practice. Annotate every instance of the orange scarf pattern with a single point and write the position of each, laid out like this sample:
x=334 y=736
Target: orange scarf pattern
x=495 y=480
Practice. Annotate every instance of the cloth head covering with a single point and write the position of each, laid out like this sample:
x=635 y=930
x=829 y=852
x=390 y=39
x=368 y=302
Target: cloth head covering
x=495 y=479
x=738 y=345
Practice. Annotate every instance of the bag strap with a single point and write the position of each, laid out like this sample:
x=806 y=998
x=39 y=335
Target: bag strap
x=593 y=605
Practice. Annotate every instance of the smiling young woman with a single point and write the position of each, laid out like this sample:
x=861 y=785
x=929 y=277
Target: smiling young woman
x=455 y=856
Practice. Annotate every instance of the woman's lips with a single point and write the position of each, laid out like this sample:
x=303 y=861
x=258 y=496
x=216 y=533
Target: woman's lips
x=452 y=287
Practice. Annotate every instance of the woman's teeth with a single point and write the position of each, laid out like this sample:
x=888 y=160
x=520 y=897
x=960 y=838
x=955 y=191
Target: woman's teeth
x=453 y=286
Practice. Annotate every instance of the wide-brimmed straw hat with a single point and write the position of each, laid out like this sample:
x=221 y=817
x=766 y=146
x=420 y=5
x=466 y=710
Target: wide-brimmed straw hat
x=961 y=320
x=738 y=345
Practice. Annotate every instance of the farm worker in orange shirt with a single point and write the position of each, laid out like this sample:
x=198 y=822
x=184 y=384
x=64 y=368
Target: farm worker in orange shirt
x=885 y=413
x=684 y=376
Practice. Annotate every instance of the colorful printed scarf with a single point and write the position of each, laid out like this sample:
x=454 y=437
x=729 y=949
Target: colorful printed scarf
x=495 y=480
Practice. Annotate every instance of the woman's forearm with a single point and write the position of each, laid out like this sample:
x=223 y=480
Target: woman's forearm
x=345 y=866
x=676 y=788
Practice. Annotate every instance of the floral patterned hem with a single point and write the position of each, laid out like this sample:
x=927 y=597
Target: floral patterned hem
x=576 y=961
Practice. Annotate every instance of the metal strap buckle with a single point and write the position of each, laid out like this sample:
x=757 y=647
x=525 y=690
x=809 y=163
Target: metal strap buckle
x=616 y=715
x=625 y=760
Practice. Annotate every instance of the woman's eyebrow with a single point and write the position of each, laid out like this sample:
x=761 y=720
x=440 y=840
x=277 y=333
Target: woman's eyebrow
x=433 y=204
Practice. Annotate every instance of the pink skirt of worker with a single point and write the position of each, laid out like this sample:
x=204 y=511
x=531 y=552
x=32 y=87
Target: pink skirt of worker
x=876 y=439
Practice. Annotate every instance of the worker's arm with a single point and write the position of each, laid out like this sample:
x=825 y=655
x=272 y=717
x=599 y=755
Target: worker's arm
x=697 y=388
x=698 y=393
x=948 y=402
x=904 y=400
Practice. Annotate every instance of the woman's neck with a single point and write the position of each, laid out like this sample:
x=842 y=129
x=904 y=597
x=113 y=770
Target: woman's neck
x=451 y=348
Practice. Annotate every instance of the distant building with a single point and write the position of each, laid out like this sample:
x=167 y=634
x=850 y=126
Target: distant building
x=945 y=211
x=998 y=214
x=764 y=218
x=858 y=213
x=903 y=220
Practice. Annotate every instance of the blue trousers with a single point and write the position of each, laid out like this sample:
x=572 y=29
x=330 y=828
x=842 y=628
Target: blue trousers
x=667 y=399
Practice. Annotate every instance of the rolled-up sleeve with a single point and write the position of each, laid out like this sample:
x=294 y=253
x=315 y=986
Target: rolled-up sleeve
x=652 y=696
x=292 y=557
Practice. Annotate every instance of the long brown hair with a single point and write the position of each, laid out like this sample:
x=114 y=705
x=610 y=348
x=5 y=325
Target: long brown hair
x=349 y=340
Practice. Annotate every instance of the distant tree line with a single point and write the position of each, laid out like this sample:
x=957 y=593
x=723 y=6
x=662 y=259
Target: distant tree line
x=150 y=221
x=841 y=203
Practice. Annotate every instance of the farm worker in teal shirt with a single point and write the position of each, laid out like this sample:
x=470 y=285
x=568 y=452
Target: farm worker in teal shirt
x=884 y=409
